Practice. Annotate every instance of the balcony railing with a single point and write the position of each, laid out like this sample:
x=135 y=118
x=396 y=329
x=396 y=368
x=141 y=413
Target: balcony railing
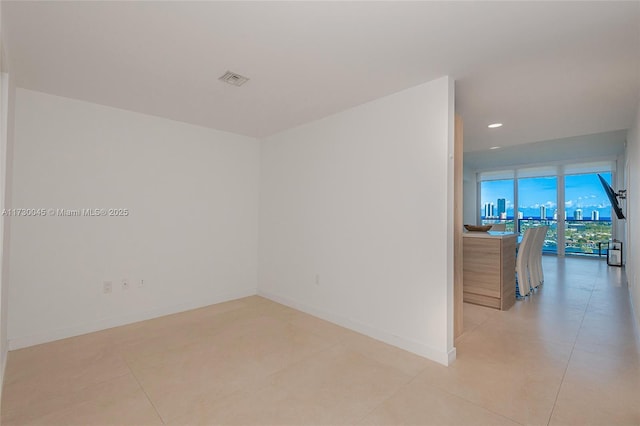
x=582 y=237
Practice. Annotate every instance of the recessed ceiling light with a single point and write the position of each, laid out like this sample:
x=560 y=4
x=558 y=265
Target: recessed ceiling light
x=494 y=147
x=494 y=125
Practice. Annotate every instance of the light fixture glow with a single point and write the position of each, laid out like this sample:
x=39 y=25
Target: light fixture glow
x=494 y=147
x=494 y=125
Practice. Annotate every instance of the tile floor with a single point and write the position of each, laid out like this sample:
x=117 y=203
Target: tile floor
x=568 y=355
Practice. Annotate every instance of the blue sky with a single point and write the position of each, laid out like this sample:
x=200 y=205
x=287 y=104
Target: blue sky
x=581 y=191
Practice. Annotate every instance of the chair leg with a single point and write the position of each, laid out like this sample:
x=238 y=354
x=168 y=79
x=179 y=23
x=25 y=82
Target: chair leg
x=523 y=283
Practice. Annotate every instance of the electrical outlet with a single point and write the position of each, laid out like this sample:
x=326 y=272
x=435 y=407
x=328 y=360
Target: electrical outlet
x=141 y=283
x=107 y=287
x=125 y=284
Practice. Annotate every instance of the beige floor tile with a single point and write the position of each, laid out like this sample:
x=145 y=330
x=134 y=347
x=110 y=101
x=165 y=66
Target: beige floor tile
x=176 y=387
x=264 y=406
x=278 y=311
x=553 y=325
x=608 y=335
x=320 y=327
x=246 y=325
x=392 y=356
x=179 y=380
x=286 y=340
x=599 y=390
x=561 y=298
x=421 y=404
x=522 y=396
x=341 y=379
x=335 y=386
x=215 y=333
x=474 y=315
x=119 y=401
x=148 y=347
x=509 y=346
x=49 y=380
x=507 y=374
x=59 y=355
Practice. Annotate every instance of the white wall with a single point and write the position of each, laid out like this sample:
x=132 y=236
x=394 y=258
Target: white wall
x=633 y=214
x=7 y=98
x=6 y=168
x=356 y=219
x=191 y=234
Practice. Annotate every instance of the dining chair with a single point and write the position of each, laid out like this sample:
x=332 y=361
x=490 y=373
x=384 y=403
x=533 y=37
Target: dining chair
x=522 y=262
x=543 y=238
x=535 y=257
x=534 y=280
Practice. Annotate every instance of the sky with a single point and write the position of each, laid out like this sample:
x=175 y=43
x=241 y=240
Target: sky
x=581 y=191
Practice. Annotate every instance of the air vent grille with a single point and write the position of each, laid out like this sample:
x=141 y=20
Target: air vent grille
x=233 y=78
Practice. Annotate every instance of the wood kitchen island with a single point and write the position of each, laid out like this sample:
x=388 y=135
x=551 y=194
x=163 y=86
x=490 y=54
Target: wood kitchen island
x=489 y=269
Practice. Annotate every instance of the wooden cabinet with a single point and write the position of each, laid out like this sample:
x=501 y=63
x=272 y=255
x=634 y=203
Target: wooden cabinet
x=489 y=276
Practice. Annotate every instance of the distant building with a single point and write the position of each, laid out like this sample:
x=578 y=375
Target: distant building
x=555 y=215
x=577 y=215
x=489 y=210
x=502 y=207
x=595 y=215
x=543 y=212
x=520 y=215
x=503 y=215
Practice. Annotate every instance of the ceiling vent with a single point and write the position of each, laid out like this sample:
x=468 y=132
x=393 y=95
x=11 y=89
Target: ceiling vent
x=233 y=78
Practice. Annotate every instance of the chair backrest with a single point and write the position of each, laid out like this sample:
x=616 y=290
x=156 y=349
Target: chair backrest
x=499 y=227
x=540 y=234
x=535 y=256
x=522 y=260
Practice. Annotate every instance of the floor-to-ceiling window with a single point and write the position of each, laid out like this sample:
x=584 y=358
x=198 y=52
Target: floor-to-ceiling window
x=567 y=198
x=537 y=203
x=588 y=224
x=497 y=200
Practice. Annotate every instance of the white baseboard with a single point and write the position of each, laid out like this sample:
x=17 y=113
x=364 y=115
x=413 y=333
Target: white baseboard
x=442 y=357
x=451 y=356
x=103 y=324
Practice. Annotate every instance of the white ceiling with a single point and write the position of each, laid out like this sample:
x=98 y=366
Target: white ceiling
x=547 y=70
x=608 y=145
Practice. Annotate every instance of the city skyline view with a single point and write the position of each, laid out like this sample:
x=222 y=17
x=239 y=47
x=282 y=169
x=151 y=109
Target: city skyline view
x=585 y=199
